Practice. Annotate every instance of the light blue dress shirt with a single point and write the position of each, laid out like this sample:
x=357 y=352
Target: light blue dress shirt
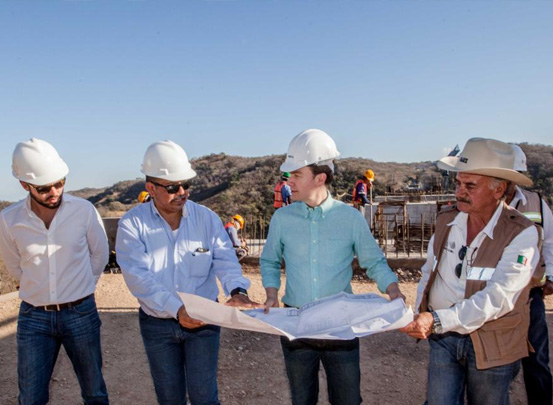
x=318 y=245
x=157 y=262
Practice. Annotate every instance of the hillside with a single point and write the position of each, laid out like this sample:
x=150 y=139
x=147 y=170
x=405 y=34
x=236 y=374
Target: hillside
x=233 y=184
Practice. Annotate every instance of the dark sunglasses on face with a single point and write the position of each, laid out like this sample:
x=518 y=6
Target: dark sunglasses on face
x=459 y=267
x=46 y=189
x=173 y=188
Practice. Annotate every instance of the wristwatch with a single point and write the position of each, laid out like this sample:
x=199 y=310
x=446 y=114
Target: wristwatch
x=437 y=326
x=239 y=290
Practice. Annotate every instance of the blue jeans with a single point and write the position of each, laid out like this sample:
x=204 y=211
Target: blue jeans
x=181 y=359
x=452 y=371
x=340 y=360
x=40 y=335
x=537 y=374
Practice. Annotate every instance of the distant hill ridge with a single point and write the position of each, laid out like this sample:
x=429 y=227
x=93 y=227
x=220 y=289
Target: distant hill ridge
x=233 y=184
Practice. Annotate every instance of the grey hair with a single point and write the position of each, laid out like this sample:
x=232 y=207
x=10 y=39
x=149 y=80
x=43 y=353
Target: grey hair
x=496 y=182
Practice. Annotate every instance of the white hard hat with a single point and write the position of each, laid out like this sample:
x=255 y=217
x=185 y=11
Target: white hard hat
x=37 y=162
x=167 y=160
x=312 y=146
x=520 y=158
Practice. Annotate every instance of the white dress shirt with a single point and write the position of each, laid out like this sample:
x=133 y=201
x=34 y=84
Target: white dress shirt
x=157 y=262
x=547 y=248
x=504 y=283
x=56 y=265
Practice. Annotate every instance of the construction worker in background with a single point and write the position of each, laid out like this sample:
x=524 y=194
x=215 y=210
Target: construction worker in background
x=232 y=227
x=361 y=189
x=536 y=370
x=144 y=197
x=283 y=192
x=56 y=246
x=318 y=236
x=173 y=245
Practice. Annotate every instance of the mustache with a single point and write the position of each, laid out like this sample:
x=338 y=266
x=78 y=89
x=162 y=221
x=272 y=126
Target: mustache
x=463 y=200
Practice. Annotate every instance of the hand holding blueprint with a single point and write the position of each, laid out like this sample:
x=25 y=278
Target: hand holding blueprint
x=341 y=316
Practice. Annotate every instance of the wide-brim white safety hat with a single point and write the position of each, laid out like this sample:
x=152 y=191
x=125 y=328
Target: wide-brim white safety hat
x=37 y=162
x=167 y=160
x=487 y=157
x=311 y=146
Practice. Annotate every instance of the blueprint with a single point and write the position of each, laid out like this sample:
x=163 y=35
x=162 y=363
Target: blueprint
x=341 y=316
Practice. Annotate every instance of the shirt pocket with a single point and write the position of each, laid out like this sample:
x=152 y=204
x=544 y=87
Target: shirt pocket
x=199 y=258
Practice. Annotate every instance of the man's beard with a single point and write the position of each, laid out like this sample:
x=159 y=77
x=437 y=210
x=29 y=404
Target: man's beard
x=47 y=205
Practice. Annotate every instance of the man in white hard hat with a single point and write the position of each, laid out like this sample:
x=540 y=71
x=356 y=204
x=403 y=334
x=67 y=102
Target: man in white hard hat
x=56 y=246
x=318 y=236
x=535 y=367
x=171 y=245
x=472 y=299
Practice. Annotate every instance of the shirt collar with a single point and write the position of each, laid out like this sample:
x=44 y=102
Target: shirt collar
x=64 y=200
x=156 y=212
x=519 y=196
x=461 y=221
x=320 y=210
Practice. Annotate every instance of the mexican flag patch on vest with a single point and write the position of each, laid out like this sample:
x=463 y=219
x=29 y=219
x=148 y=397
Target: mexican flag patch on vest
x=522 y=260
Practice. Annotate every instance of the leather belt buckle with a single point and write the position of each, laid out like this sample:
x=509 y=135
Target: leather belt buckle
x=52 y=307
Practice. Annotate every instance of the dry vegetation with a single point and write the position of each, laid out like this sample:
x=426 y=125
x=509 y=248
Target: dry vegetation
x=7 y=283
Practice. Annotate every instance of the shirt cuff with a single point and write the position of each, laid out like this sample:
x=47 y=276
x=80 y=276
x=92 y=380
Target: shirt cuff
x=173 y=307
x=447 y=319
x=386 y=281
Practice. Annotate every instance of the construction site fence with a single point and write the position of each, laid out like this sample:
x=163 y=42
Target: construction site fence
x=401 y=228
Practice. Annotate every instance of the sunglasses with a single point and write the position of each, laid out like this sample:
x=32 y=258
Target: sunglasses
x=46 y=189
x=459 y=267
x=173 y=188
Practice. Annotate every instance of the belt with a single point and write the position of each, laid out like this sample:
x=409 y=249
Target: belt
x=65 y=305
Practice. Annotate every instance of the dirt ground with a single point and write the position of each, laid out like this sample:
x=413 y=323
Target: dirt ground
x=251 y=369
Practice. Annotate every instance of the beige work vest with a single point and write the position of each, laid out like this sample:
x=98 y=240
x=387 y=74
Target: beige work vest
x=503 y=340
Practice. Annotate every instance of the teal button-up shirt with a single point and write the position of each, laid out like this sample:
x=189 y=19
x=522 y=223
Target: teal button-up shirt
x=318 y=245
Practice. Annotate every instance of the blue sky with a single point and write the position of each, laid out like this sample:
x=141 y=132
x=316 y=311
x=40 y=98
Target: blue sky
x=388 y=80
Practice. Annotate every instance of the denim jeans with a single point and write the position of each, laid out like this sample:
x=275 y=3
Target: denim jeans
x=181 y=360
x=40 y=335
x=340 y=360
x=537 y=374
x=452 y=371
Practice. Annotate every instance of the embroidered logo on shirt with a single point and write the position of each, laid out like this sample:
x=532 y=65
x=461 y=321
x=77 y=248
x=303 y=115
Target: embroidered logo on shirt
x=522 y=260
